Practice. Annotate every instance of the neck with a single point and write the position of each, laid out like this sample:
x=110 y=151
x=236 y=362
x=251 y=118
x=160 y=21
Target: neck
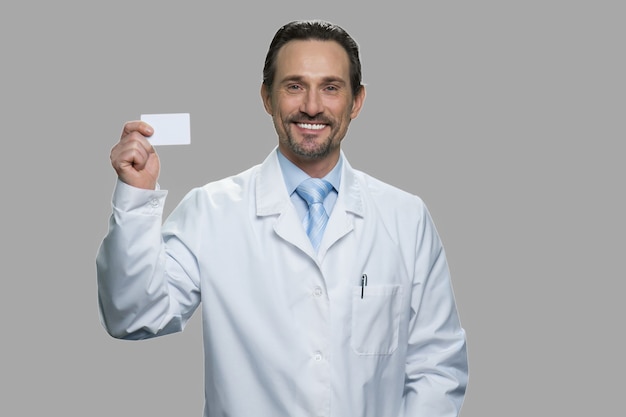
x=314 y=167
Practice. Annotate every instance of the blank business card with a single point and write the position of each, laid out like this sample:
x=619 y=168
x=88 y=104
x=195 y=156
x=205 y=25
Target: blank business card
x=169 y=128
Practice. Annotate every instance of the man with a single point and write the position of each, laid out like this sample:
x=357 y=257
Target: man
x=357 y=320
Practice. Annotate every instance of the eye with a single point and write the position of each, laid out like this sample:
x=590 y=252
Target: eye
x=293 y=87
x=332 y=89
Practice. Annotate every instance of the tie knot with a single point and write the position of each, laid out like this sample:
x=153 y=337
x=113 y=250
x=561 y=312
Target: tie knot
x=314 y=190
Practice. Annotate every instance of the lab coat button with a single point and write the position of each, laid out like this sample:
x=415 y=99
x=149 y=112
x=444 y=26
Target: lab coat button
x=154 y=202
x=318 y=291
x=317 y=356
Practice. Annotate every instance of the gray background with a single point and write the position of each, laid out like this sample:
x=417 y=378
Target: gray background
x=506 y=117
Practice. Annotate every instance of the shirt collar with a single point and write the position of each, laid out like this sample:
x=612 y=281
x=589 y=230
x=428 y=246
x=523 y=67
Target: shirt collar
x=293 y=175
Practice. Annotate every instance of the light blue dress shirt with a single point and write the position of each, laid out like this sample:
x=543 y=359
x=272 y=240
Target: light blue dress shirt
x=294 y=176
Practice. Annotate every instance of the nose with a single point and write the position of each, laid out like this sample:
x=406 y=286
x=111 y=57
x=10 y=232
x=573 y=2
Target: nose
x=312 y=103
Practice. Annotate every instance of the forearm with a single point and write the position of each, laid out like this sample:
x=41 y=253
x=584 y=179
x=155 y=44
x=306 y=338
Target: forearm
x=133 y=289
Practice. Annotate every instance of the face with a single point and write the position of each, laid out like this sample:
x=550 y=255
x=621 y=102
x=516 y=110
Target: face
x=311 y=101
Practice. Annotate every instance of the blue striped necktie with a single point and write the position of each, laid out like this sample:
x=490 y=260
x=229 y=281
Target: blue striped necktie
x=314 y=191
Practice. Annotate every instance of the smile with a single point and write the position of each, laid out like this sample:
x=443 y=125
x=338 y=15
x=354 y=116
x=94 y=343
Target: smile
x=311 y=126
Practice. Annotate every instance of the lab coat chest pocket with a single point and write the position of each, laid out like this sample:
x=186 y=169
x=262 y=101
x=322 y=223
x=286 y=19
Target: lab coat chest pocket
x=376 y=319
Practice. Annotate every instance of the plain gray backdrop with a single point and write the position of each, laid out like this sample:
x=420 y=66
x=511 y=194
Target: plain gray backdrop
x=506 y=117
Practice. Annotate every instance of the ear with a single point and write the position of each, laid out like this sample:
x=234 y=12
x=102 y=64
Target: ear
x=267 y=99
x=357 y=105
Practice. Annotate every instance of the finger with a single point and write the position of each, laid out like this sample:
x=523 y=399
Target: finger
x=135 y=157
x=137 y=126
x=133 y=150
x=136 y=138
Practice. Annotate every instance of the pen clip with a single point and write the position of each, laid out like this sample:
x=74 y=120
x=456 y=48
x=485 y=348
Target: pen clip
x=363 y=284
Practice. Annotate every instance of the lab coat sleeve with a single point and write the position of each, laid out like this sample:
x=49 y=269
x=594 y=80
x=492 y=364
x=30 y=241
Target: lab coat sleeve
x=437 y=367
x=147 y=285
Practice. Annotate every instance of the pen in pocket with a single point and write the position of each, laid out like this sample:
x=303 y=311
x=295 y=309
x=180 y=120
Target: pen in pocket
x=363 y=284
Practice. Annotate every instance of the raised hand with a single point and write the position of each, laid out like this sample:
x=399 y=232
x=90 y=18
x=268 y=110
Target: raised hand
x=134 y=158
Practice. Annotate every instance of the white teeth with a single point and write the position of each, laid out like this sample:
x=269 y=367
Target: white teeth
x=311 y=126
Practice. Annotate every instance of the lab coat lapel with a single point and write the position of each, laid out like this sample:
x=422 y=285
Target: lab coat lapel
x=272 y=200
x=349 y=204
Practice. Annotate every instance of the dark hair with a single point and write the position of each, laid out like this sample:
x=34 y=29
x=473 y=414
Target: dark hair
x=317 y=30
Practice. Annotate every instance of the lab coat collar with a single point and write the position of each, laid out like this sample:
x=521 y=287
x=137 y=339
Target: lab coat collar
x=272 y=196
x=270 y=190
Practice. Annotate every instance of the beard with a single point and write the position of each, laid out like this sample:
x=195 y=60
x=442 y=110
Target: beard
x=311 y=146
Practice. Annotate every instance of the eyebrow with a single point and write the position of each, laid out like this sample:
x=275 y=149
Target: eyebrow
x=325 y=80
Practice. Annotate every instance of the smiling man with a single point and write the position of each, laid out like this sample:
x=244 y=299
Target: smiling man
x=311 y=102
x=323 y=291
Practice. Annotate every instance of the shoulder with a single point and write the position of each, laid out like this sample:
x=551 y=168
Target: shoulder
x=386 y=194
x=230 y=189
x=404 y=215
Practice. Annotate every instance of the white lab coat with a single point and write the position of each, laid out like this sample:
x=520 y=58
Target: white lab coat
x=286 y=332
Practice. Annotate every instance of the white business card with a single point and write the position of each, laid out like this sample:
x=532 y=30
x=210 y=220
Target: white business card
x=169 y=128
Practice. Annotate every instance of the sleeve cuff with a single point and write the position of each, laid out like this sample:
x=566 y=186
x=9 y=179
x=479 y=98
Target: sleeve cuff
x=129 y=198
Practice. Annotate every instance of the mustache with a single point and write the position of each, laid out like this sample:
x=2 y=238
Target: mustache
x=305 y=118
